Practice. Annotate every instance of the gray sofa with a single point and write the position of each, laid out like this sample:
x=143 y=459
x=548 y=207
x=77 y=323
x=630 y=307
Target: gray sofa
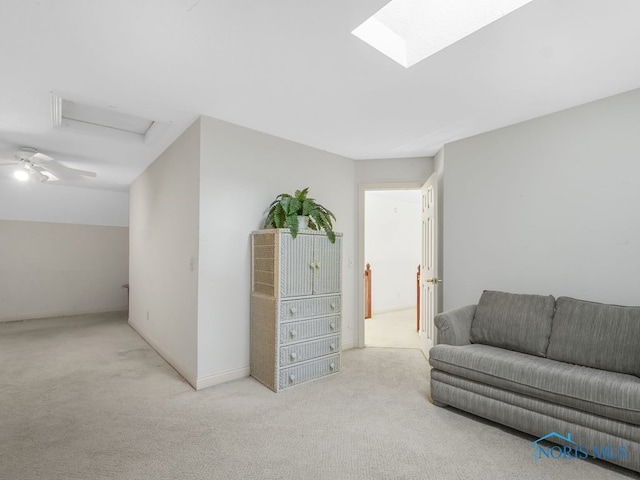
x=567 y=369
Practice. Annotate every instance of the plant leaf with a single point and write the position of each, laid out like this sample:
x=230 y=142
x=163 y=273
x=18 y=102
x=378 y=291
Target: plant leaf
x=292 y=223
x=284 y=210
x=279 y=216
x=295 y=207
x=284 y=202
x=268 y=223
x=306 y=207
x=301 y=194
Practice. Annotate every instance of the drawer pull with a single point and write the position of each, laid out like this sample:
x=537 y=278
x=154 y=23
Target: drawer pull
x=332 y=326
x=312 y=265
x=293 y=333
x=333 y=306
x=292 y=378
x=293 y=355
x=317 y=264
x=332 y=346
x=292 y=310
x=332 y=366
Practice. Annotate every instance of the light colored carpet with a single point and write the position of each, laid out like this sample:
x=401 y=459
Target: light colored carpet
x=86 y=398
x=392 y=329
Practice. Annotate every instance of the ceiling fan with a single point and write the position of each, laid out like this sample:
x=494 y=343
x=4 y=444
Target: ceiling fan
x=38 y=167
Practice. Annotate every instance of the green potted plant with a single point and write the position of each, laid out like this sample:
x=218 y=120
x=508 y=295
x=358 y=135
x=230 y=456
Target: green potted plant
x=285 y=210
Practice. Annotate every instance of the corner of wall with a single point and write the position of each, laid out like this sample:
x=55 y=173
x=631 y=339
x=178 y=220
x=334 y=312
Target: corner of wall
x=164 y=235
x=207 y=381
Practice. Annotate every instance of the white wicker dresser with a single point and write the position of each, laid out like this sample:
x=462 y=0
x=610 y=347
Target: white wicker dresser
x=296 y=306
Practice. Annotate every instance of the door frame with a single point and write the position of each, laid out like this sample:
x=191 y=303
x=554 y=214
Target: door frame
x=362 y=188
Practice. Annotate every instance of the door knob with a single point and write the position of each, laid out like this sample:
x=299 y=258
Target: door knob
x=433 y=280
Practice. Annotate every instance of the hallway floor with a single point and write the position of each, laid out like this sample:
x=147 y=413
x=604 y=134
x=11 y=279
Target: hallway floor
x=392 y=329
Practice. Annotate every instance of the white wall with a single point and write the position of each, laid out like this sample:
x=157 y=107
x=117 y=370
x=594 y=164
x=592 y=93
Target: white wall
x=394 y=170
x=548 y=206
x=241 y=173
x=42 y=202
x=164 y=253
x=63 y=250
x=55 y=269
x=392 y=247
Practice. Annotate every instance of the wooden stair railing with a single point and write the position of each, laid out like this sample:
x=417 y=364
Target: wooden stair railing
x=367 y=292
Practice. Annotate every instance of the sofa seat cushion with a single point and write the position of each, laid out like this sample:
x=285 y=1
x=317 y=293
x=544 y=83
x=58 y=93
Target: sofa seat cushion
x=608 y=394
x=514 y=321
x=596 y=335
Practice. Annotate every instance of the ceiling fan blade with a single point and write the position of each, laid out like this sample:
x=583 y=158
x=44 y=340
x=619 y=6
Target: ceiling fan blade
x=62 y=171
x=39 y=176
x=10 y=164
x=41 y=157
x=43 y=172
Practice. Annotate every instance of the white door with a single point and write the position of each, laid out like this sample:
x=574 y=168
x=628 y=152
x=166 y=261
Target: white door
x=429 y=281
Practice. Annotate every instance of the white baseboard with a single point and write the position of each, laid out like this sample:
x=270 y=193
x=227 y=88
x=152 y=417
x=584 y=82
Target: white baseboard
x=221 y=377
x=171 y=360
x=350 y=345
x=382 y=311
x=65 y=313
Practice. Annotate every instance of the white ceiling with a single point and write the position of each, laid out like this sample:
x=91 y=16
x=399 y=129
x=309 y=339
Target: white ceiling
x=291 y=68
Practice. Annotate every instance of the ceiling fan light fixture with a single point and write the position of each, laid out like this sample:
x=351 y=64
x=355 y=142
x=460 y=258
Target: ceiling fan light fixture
x=21 y=175
x=35 y=166
x=28 y=172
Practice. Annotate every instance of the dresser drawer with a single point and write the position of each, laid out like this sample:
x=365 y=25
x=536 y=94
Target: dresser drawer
x=307 y=329
x=299 y=352
x=310 y=307
x=291 y=376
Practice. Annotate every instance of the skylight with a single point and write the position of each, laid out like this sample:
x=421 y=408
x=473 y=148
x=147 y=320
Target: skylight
x=409 y=31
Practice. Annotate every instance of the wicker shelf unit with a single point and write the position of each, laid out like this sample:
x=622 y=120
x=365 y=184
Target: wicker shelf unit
x=296 y=307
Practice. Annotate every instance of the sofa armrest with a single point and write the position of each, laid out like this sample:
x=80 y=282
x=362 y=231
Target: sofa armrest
x=454 y=326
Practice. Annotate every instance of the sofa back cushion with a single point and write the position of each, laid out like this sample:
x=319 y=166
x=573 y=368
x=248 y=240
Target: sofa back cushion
x=513 y=321
x=596 y=335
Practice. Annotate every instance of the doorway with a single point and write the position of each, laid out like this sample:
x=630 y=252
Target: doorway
x=392 y=250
